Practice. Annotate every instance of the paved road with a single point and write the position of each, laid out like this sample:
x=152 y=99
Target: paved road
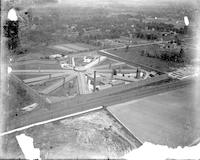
x=85 y=102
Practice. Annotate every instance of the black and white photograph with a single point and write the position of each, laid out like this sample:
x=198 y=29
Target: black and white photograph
x=100 y=79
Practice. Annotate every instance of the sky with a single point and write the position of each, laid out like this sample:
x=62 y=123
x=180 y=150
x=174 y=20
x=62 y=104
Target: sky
x=125 y=2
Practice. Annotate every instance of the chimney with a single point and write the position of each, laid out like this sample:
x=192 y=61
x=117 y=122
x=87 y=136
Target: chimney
x=94 y=85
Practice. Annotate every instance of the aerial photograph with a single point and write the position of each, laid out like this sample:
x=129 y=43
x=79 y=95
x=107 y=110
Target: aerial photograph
x=96 y=79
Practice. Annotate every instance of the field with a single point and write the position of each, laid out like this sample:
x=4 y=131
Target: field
x=71 y=47
x=114 y=64
x=170 y=118
x=190 y=47
x=19 y=98
x=134 y=55
x=139 y=41
x=37 y=66
x=93 y=135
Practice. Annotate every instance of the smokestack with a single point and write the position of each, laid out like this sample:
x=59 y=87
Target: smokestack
x=63 y=82
x=138 y=73
x=94 y=85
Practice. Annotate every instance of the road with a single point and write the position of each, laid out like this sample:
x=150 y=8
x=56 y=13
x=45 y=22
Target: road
x=86 y=102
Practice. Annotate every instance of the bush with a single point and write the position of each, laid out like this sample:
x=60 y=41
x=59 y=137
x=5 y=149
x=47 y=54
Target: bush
x=142 y=53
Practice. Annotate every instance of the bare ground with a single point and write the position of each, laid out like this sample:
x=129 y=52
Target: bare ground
x=93 y=135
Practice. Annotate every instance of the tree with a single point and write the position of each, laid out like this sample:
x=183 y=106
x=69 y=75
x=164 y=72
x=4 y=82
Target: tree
x=127 y=47
x=142 y=52
x=181 y=55
x=11 y=32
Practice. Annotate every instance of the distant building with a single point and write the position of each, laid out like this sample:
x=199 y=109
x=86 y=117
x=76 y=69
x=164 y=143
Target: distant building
x=72 y=35
x=110 y=43
x=92 y=32
x=124 y=40
x=134 y=19
x=171 y=45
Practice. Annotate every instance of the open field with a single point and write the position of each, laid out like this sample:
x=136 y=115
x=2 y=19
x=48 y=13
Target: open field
x=134 y=55
x=18 y=98
x=29 y=56
x=37 y=52
x=170 y=118
x=139 y=41
x=92 y=135
x=107 y=62
x=37 y=66
x=71 y=47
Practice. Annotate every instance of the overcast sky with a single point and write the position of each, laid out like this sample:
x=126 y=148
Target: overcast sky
x=128 y=2
x=124 y=1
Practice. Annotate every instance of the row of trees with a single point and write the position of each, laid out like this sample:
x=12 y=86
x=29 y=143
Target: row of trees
x=162 y=27
x=166 y=55
x=148 y=36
